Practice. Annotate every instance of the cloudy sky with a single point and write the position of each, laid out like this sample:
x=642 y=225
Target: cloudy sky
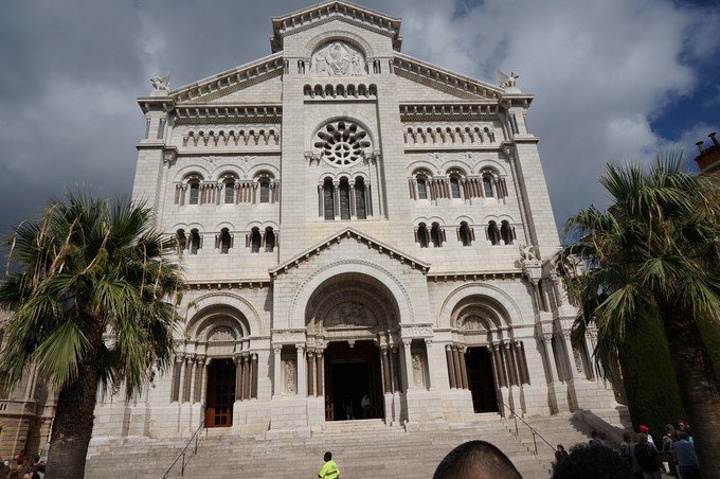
x=614 y=79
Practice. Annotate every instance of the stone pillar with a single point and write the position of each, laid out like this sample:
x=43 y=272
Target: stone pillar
x=456 y=365
x=500 y=365
x=463 y=368
x=193 y=381
x=387 y=380
x=407 y=356
x=253 y=368
x=311 y=373
x=430 y=363
x=519 y=350
x=277 y=371
x=239 y=378
x=301 y=370
x=204 y=382
x=549 y=356
x=394 y=373
x=572 y=370
x=450 y=366
x=246 y=376
x=320 y=372
x=199 y=386
x=181 y=382
x=510 y=364
x=175 y=393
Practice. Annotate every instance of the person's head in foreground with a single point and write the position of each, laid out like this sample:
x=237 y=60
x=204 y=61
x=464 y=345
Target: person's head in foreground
x=592 y=463
x=476 y=460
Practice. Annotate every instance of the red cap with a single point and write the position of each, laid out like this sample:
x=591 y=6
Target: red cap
x=643 y=428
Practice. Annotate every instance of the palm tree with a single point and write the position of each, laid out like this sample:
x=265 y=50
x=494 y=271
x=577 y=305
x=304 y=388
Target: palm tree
x=655 y=251
x=90 y=302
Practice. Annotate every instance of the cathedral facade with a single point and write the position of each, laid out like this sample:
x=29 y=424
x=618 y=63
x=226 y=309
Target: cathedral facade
x=353 y=221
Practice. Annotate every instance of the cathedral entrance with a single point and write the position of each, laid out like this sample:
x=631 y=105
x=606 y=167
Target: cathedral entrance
x=350 y=373
x=220 y=393
x=480 y=379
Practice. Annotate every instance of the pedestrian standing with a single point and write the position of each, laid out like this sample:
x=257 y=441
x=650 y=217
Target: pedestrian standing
x=329 y=470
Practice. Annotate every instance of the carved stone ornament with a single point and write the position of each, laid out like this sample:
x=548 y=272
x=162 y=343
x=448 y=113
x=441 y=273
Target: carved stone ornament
x=338 y=58
x=160 y=83
x=350 y=314
x=222 y=333
x=473 y=323
x=342 y=143
x=290 y=376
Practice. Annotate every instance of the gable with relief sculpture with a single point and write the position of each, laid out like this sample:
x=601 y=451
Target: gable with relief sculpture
x=338 y=58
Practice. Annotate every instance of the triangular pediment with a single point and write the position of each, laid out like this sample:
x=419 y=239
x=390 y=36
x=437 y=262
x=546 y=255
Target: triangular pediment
x=350 y=234
x=323 y=12
x=446 y=84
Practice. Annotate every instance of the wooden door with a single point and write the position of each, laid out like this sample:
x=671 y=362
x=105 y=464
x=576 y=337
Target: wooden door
x=220 y=393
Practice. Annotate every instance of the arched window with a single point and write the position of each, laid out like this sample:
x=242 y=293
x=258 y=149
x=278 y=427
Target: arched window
x=264 y=191
x=436 y=235
x=181 y=240
x=422 y=188
x=194 y=241
x=269 y=240
x=360 y=209
x=225 y=241
x=344 y=192
x=422 y=235
x=329 y=199
x=230 y=191
x=464 y=234
x=255 y=240
x=194 y=192
x=488 y=185
x=493 y=233
x=454 y=187
x=506 y=232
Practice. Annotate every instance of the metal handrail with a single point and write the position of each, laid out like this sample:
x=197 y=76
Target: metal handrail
x=184 y=449
x=532 y=429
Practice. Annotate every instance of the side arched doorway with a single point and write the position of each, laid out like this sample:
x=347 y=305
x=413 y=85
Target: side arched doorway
x=352 y=323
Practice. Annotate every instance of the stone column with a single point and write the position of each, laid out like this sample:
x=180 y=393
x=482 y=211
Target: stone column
x=500 y=365
x=193 y=380
x=387 y=380
x=301 y=370
x=394 y=373
x=238 y=378
x=572 y=370
x=204 y=382
x=510 y=364
x=175 y=393
x=430 y=362
x=311 y=373
x=463 y=368
x=320 y=372
x=519 y=349
x=199 y=386
x=407 y=356
x=277 y=371
x=246 y=376
x=254 y=374
x=181 y=382
x=549 y=356
x=456 y=365
x=450 y=366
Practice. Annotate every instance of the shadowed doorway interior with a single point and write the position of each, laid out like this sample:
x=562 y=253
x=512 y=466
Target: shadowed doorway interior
x=349 y=374
x=480 y=379
x=220 y=393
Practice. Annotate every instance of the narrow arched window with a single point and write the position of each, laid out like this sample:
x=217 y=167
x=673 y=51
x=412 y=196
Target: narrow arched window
x=329 y=199
x=225 y=241
x=436 y=235
x=264 y=191
x=194 y=193
x=344 y=192
x=488 y=186
x=360 y=209
x=229 y=192
x=464 y=234
x=255 y=240
x=454 y=187
x=422 y=188
x=493 y=233
x=506 y=232
x=422 y=235
x=181 y=240
x=269 y=240
x=194 y=241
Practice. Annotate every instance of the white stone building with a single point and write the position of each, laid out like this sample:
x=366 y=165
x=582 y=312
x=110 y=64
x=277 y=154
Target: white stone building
x=351 y=220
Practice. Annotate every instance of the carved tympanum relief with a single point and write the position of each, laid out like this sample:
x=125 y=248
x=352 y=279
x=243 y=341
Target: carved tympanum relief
x=338 y=58
x=473 y=323
x=350 y=314
x=221 y=333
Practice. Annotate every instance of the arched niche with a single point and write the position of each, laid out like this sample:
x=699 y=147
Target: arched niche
x=487 y=293
x=214 y=305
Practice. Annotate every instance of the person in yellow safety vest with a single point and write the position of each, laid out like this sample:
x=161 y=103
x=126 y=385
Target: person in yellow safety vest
x=329 y=470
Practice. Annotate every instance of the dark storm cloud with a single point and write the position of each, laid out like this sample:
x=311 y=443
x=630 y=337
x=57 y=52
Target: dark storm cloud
x=71 y=71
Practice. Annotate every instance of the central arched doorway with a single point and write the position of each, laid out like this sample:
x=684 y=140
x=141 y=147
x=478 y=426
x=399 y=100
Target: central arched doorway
x=353 y=319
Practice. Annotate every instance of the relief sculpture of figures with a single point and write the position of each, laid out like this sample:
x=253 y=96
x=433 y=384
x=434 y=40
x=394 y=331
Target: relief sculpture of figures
x=418 y=370
x=338 y=58
x=290 y=376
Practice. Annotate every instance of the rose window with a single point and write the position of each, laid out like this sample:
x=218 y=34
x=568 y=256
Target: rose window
x=342 y=143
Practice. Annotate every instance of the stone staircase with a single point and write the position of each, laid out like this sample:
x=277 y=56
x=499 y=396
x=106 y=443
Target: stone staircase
x=362 y=449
